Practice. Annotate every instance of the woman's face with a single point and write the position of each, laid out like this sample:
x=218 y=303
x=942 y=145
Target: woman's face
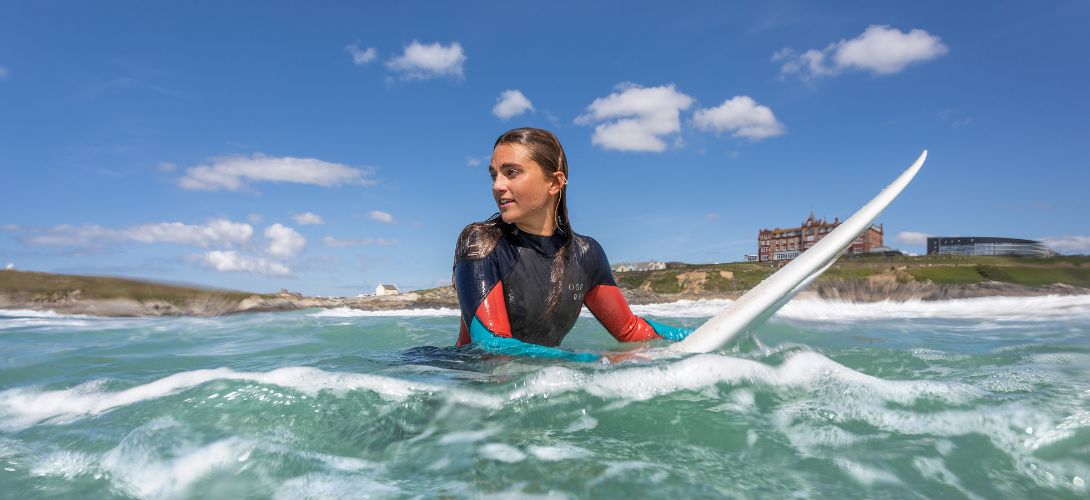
x=524 y=193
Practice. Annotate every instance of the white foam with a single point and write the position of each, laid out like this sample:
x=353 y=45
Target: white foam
x=559 y=453
x=136 y=466
x=614 y=469
x=10 y=448
x=1001 y=309
x=808 y=369
x=1034 y=309
x=865 y=474
x=583 y=423
x=1004 y=425
x=516 y=491
x=702 y=308
x=24 y=407
x=325 y=485
x=24 y=323
x=813 y=440
x=68 y=464
x=502 y=453
x=467 y=436
x=1016 y=379
x=31 y=313
x=348 y=312
x=159 y=460
x=1065 y=429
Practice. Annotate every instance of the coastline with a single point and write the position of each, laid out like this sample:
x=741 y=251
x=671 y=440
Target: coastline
x=869 y=279
x=837 y=289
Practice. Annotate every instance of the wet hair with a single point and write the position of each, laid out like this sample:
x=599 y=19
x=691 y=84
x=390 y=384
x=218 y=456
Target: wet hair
x=479 y=239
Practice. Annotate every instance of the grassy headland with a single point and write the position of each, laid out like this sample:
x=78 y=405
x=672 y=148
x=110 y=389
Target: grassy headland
x=677 y=278
x=866 y=278
x=111 y=296
x=47 y=286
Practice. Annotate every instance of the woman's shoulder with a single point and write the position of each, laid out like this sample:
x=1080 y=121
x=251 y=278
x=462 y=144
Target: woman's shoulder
x=478 y=239
x=586 y=246
x=592 y=258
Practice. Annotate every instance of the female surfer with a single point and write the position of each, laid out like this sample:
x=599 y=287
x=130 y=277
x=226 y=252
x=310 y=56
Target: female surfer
x=523 y=275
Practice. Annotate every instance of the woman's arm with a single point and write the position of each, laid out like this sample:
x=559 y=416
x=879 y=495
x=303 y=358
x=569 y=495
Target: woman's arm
x=484 y=315
x=607 y=304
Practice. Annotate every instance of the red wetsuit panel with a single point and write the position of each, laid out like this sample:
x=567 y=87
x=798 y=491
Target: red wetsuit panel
x=608 y=305
x=463 y=335
x=492 y=313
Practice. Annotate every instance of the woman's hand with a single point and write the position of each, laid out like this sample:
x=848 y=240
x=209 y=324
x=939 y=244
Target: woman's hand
x=633 y=356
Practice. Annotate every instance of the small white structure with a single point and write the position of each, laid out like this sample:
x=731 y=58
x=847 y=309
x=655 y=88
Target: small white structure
x=10 y=266
x=639 y=266
x=385 y=289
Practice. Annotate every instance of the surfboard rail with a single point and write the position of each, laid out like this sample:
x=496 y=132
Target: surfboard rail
x=763 y=300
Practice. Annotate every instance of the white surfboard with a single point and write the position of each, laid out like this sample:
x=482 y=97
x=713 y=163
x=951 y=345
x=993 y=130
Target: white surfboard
x=761 y=302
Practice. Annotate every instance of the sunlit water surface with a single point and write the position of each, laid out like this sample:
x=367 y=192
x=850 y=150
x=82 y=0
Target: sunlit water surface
x=981 y=398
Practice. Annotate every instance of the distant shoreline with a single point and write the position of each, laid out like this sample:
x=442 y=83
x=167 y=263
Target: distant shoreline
x=870 y=279
x=843 y=291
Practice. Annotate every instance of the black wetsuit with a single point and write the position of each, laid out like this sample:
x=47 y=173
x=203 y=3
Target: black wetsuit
x=504 y=292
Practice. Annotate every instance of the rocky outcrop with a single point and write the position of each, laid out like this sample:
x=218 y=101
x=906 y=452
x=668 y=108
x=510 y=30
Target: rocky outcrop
x=74 y=303
x=873 y=290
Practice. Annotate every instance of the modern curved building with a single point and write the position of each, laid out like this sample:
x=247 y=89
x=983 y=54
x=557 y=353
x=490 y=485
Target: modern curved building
x=986 y=245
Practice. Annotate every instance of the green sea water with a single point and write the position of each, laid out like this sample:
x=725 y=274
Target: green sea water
x=980 y=398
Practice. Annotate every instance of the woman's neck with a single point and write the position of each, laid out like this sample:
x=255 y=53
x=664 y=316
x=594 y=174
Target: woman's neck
x=546 y=229
x=544 y=226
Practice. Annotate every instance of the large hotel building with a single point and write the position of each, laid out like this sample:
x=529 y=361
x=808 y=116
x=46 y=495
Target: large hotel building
x=786 y=244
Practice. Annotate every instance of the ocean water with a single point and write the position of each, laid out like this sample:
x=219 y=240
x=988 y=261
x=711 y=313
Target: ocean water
x=979 y=398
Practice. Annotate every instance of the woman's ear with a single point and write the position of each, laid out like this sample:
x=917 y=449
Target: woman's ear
x=559 y=181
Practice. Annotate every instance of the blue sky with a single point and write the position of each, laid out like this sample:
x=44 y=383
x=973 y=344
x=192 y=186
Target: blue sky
x=330 y=146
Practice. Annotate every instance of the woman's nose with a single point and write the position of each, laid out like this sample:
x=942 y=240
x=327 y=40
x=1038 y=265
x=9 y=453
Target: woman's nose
x=499 y=184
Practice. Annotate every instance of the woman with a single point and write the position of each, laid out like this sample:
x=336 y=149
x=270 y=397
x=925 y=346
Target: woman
x=522 y=276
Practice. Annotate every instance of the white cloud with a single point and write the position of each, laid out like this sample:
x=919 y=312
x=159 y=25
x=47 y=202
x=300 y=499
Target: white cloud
x=307 y=218
x=340 y=243
x=637 y=118
x=3 y=73
x=913 y=238
x=217 y=232
x=742 y=117
x=284 y=241
x=1068 y=244
x=220 y=236
x=880 y=49
x=255 y=218
x=422 y=62
x=473 y=162
x=361 y=56
x=231 y=261
x=510 y=104
x=167 y=167
x=91 y=235
x=232 y=173
x=381 y=216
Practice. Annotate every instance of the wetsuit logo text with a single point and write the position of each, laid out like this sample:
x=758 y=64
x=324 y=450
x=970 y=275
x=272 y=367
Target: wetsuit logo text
x=577 y=291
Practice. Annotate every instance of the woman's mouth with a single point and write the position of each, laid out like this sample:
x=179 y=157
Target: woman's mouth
x=503 y=202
